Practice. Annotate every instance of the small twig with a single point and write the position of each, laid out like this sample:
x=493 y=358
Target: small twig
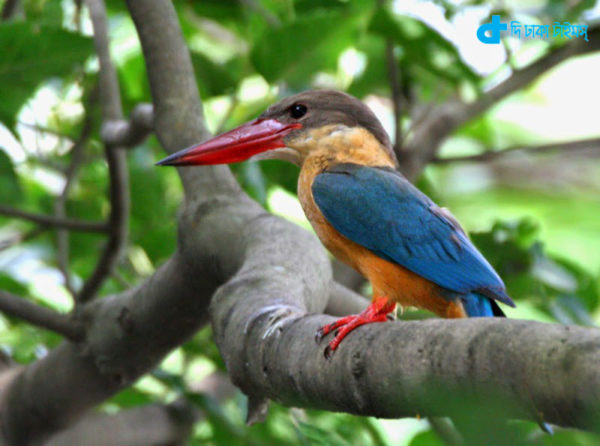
x=394 y=79
x=40 y=316
x=9 y=8
x=62 y=236
x=524 y=76
x=509 y=54
x=542 y=148
x=130 y=133
x=115 y=157
x=50 y=220
x=267 y=15
x=22 y=237
x=446 y=431
x=447 y=117
x=120 y=278
x=77 y=15
x=395 y=86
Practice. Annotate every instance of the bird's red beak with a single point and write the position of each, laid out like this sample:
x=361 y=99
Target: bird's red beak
x=235 y=145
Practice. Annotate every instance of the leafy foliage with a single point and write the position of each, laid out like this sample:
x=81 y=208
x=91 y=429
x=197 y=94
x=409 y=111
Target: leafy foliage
x=31 y=54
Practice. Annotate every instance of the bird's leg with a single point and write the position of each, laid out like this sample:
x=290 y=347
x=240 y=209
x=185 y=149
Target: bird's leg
x=376 y=312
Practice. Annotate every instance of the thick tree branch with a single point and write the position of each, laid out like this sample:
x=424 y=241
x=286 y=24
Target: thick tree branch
x=178 y=116
x=129 y=133
x=50 y=220
x=40 y=316
x=347 y=275
x=399 y=369
x=116 y=158
x=490 y=155
x=446 y=118
x=344 y=301
x=126 y=335
x=152 y=425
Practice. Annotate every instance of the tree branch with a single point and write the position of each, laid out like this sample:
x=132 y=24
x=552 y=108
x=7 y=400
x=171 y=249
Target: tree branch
x=40 y=316
x=9 y=8
x=174 y=94
x=127 y=334
x=115 y=157
x=395 y=87
x=49 y=220
x=60 y=203
x=129 y=133
x=21 y=237
x=394 y=76
x=490 y=155
x=447 y=117
x=343 y=301
x=399 y=369
x=151 y=425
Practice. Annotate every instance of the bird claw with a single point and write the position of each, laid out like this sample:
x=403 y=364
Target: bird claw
x=378 y=311
x=319 y=335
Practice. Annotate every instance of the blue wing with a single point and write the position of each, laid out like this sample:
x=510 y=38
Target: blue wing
x=382 y=211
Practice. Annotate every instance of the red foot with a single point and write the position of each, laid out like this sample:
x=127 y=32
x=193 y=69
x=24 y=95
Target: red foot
x=376 y=312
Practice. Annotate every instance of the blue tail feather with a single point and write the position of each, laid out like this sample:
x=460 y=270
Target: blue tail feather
x=476 y=305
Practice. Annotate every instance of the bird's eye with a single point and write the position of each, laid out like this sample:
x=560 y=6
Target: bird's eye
x=298 y=110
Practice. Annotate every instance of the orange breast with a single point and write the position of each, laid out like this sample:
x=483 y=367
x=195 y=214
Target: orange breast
x=387 y=278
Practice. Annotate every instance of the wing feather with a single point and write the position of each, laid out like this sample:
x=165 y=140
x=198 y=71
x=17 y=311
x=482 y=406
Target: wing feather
x=382 y=211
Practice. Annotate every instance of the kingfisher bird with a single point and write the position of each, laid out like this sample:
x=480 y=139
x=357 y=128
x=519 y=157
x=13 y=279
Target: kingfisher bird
x=413 y=252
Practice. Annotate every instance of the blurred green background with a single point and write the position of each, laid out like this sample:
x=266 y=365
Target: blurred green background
x=536 y=217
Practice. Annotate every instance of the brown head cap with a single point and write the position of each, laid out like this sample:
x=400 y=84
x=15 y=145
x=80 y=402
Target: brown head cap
x=317 y=108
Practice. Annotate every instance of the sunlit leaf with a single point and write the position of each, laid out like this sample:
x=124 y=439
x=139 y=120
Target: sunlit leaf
x=423 y=46
x=10 y=191
x=296 y=51
x=31 y=54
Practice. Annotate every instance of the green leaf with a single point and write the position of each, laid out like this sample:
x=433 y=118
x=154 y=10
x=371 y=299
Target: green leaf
x=133 y=79
x=427 y=438
x=281 y=173
x=214 y=79
x=10 y=285
x=295 y=52
x=225 y=430
x=588 y=286
x=153 y=225
x=374 y=78
x=132 y=397
x=44 y=12
x=31 y=54
x=10 y=190
x=221 y=11
x=422 y=47
x=319 y=436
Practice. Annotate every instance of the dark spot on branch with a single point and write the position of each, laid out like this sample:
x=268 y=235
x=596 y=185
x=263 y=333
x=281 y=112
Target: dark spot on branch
x=358 y=365
x=126 y=321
